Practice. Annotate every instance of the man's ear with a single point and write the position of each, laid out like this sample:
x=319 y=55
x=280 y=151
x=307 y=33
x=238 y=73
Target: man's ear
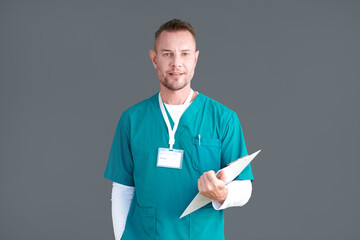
x=196 y=56
x=152 y=55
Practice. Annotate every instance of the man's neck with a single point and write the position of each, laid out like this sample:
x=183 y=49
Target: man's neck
x=177 y=97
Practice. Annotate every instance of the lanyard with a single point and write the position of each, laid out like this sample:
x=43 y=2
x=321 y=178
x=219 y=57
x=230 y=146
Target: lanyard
x=176 y=121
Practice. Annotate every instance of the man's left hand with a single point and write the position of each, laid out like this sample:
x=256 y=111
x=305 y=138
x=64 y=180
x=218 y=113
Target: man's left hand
x=213 y=186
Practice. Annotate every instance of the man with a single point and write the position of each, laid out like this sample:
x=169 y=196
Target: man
x=168 y=147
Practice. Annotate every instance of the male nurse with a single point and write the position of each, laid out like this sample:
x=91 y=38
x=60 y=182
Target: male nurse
x=168 y=148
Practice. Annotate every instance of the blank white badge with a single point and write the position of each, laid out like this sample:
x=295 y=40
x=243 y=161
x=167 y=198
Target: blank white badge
x=170 y=158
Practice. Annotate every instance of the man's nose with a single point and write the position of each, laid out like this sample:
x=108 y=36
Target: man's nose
x=176 y=61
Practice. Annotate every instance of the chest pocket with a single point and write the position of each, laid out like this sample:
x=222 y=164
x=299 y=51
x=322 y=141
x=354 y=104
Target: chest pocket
x=206 y=154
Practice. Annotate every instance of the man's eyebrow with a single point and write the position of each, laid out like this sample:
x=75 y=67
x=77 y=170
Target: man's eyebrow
x=167 y=50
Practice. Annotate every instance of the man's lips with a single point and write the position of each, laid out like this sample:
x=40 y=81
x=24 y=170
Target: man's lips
x=176 y=73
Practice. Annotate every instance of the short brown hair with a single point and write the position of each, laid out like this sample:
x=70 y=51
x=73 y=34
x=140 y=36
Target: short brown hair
x=175 y=25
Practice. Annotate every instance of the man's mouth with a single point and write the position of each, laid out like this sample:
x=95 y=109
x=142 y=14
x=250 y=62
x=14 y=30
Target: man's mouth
x=176 y=73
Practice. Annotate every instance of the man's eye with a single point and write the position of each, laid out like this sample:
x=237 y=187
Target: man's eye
x=167 y=54
x=186 y=54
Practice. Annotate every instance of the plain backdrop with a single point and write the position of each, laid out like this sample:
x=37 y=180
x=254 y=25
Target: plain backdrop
x=290 y=69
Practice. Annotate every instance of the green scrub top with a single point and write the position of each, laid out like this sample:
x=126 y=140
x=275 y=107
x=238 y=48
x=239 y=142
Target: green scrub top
x=162 y=194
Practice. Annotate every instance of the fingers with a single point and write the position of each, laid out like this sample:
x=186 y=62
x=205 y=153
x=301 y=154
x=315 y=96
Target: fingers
x=221 y=175
x=210 y=177
x=209 y=182
x=200 y=185
x=211 y=186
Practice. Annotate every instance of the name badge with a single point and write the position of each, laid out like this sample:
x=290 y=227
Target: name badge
x=170 y=158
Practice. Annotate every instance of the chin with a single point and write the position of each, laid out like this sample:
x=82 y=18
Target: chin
x=174 y=84
x=175 y=87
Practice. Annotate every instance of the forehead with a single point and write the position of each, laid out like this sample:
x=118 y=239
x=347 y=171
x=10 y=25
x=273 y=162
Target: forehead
x=175 y=40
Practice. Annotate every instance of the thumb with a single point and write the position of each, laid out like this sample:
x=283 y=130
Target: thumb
x=221 y=175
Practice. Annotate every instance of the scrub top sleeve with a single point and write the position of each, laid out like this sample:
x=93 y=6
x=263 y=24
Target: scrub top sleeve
x=233 y=146
x=120 y=164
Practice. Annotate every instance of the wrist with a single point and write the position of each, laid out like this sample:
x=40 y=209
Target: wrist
x=224 y=196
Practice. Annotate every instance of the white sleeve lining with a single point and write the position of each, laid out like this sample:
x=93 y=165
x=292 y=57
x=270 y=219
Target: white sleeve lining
x=239 y=193
x=121 y=198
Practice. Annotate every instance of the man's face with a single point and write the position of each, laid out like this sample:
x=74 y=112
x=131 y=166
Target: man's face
x=175 y=59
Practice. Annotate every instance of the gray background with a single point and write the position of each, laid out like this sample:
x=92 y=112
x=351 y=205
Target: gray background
x=290 y=69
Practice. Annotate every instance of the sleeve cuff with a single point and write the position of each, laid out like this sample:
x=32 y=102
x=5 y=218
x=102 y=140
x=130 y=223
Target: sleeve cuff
x=239 y=193
x=218 y=206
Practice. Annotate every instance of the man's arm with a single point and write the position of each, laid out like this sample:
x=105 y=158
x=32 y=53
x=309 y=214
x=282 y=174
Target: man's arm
x=236 y=193
x=121 y=198
x=239 y=193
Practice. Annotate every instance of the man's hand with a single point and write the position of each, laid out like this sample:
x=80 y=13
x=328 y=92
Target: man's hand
x=213 y=186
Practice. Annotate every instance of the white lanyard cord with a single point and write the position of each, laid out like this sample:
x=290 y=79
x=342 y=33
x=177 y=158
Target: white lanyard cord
x=176 y=121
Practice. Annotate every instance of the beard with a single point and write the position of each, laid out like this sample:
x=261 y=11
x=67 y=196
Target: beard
x=174 y=85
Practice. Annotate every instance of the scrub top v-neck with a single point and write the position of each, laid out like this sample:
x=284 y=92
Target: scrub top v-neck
x=210 y=136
